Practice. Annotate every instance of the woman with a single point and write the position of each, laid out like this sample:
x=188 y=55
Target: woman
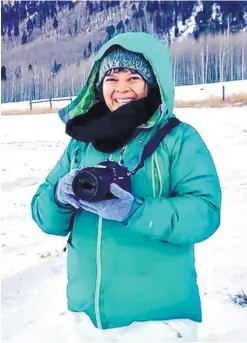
x=131 y=273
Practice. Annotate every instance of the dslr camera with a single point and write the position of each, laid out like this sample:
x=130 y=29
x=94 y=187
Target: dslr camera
x=93 y=183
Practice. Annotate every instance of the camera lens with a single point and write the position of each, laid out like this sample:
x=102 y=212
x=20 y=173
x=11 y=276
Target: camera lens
x=85 y=185
x=88 y=186
x=93 y=183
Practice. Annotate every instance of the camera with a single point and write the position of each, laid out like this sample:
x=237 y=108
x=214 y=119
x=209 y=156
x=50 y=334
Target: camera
x=93 y=183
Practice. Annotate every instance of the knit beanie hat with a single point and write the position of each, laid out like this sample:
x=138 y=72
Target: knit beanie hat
x=121 y=58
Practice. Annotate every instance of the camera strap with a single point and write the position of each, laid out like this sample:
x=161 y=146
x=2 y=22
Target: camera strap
x=154 y=142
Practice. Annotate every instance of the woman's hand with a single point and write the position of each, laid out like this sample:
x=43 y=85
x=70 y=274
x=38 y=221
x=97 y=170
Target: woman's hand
x=118 y=209
x=63 y=191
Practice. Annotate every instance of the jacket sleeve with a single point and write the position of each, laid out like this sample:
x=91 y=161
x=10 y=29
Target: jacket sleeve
x=192 y=214
x=51 y=217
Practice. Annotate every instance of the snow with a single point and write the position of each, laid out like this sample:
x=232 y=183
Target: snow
x=34 y=266
x=205 y=91
x=41 y=103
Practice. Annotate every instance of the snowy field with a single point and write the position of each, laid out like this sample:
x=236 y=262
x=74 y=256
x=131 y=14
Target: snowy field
x=208 y=90
x=33 y=264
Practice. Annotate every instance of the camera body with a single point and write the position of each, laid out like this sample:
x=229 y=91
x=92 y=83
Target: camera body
x=93 y=183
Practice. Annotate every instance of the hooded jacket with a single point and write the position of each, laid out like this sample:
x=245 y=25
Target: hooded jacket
x=142 y=269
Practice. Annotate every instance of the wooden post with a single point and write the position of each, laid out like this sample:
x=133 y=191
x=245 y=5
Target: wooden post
x=50 y=102
x=223 y=92
x=30 y=102
x=71 y=99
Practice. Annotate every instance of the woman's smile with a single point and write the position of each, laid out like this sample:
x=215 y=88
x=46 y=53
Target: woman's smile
x=124 y=101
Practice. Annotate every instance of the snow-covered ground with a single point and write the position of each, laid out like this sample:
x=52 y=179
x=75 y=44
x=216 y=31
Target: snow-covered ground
x=205 y=91
x=26 y=104
x=33 y=264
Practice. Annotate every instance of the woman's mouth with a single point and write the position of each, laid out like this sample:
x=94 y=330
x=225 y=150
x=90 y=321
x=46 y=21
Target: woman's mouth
x=124 y=101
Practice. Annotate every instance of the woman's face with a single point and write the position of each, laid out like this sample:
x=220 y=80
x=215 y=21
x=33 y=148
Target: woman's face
x=121 y=87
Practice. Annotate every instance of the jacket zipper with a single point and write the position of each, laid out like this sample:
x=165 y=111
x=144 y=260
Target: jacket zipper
x=153 y=176
x=158 y=172
x=98 y=275
x=154 y=162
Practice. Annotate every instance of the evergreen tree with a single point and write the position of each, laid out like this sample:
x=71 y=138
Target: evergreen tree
x=16 y=30
x=18 y=72
x=110 y=31
x=55 y=23
x=76 y=26
x=9 y=30
x=120 y=27
x=89 y=48
x=3 y=73
x=24 y=38
x=101 y=6
x=30 y=67
x=29 y=24
x=56 y=67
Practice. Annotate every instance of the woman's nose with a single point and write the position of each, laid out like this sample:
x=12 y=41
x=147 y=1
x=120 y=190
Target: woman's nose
x=122 y=87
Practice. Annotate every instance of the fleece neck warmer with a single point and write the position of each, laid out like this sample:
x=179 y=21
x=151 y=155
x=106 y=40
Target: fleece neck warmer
x=109 y=131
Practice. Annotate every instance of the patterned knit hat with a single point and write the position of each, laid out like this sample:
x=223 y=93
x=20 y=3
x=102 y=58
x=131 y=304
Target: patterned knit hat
x=121 y=58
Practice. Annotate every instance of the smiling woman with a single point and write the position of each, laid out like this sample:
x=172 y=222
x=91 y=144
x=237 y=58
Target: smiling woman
x=131 y=265
x=128 y=95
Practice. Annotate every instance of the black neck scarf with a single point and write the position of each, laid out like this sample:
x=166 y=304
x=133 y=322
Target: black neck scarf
x=109 y=131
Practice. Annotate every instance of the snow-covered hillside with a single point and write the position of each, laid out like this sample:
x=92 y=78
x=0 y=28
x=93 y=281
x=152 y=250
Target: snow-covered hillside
x=33 y=264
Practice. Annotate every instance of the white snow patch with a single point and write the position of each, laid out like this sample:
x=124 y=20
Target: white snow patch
x=45 y=104
x=205 y=91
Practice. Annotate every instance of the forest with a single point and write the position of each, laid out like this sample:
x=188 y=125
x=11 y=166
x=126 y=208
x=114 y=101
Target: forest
x=207 y=41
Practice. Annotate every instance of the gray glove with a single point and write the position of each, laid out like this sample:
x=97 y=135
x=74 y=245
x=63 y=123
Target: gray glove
x=63 y=192
x=119 y=209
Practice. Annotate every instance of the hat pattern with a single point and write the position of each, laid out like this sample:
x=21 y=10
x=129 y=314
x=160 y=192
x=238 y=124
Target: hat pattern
x=121 y=58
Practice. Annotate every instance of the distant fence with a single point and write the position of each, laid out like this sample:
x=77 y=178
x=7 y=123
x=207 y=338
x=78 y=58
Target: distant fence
x=50 y=100
x=200 y=92
x=223 y=96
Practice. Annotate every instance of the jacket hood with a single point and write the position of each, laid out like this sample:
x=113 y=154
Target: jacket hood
x=152 y=49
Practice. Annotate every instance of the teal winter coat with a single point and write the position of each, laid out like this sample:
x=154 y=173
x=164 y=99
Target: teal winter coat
x=142 y=269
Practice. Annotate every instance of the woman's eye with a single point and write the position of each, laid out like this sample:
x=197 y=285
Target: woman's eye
x=110 y=79
x=134 y=78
